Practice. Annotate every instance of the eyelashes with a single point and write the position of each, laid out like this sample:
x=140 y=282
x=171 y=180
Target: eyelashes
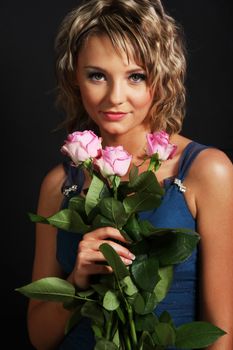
x=95 y=76
x=134 y=77
x=138 y=77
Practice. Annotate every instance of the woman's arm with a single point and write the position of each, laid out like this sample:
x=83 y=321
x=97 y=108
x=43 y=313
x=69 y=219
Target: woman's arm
x=47 y=320
x=213 y=174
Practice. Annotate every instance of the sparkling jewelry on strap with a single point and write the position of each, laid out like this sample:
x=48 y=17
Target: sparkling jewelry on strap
x=178 y=183
x=69 y=189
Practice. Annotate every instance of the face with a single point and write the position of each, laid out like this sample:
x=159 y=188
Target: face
x=114 y=90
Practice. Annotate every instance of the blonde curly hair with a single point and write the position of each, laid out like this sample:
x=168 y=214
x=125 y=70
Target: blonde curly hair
x=142 y=27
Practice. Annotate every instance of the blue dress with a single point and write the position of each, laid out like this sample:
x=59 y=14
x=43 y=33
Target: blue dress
x=181 y=300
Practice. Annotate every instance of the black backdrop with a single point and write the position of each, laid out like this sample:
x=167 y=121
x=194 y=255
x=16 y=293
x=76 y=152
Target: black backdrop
x=30 y=148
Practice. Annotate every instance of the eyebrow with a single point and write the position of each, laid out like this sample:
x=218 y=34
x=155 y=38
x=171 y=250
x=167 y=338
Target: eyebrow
x=103 y=70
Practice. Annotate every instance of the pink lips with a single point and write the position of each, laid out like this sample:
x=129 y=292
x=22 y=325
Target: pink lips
x=114 y=115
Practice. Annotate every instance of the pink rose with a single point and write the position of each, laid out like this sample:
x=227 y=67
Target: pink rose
x=82 y=145
x=158 y=142
x=113 y=161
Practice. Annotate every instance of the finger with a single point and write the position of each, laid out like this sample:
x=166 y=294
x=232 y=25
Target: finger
x=105 y=232
x=93 y=245
x=94 y=269
x=97 y=256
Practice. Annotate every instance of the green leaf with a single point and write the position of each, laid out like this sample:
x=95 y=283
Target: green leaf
x=101 y=221
x=94 y=312
x=92 y=214
x=126 y=236
x=177 y=248
x=116 y=338
x=107 y=315
x=77 y=203
x=141 y=249
x=165 y=317
x=93 y=194
x=146 y=228
x=163 y=286
x=145 y=322
x=146 y=342
x=38 y=218
x=49 y=289
x=133 y=229
x=146 y=182
x=74 y=319
x=133 y=174
x=114 y=261
x=144 y=303
x=128 y=286
x=108 y=281
x=98 y=331
x=115 y=181
x=68 y=220
x=131 y=299
x=172 y=246
x=197 y=335
x=123 y=190
x=111 y=301
x=121 y=315
x=104 y=344
x=105 y=192
x=100 y=288
x=113 y=210
x=155 y=162
x=85 y=293
x=141 y=201
x=145 y=272
x=72 y=304
x=164 y=334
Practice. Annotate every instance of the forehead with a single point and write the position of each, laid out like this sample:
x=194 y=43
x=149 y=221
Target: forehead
x=100 y=49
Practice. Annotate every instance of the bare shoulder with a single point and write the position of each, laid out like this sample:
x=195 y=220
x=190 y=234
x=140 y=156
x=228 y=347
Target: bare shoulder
x=212 y=165
x=53 y=178
x=50 y=191
x=211 y=180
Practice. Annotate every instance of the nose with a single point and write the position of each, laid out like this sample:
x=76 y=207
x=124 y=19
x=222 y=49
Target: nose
x=116 y=92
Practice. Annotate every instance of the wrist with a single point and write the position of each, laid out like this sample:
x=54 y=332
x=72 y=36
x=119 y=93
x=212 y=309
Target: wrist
x=70 y=278
x=82 y=283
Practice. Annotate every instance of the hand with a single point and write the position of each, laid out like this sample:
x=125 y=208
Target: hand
x=89 y=255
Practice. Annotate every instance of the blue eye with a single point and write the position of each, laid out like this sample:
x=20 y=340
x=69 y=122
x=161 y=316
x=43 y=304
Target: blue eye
x=96 y=76
x=137 y=77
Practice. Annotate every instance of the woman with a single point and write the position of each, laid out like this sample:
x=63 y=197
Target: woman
x=120 y=69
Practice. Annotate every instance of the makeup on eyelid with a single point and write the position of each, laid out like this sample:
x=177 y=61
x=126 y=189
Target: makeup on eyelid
x=97 y=76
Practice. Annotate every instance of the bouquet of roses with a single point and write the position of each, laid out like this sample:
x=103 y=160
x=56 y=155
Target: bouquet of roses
x=122 y=305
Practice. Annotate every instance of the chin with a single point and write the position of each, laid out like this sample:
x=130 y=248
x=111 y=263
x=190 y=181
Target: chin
x=114 y=130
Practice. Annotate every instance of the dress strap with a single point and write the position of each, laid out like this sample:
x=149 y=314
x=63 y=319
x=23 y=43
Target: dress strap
x=189 y=154
x=74 y=180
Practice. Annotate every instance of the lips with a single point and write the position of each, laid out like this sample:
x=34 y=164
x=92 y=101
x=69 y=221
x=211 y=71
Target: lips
x=114 y=115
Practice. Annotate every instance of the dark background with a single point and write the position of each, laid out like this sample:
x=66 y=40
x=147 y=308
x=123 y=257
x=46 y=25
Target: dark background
x=30 y=148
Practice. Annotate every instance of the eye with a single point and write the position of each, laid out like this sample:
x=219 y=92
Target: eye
x=137 y=77
x=96 y=76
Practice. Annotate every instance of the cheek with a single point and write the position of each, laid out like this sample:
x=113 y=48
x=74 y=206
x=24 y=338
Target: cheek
x=90 y=97
x=142 y=99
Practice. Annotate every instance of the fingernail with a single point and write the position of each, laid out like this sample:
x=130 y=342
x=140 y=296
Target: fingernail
x=129 y=262
x=132 y=256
